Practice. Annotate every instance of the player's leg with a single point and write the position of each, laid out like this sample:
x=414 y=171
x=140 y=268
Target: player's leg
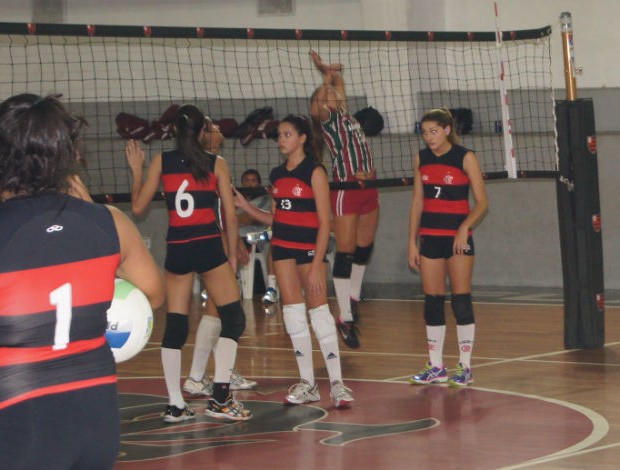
x=296 y=324
x=433 y=271
x=345 y=227
x=178 y=294
x=324 y=328
x=207 y=335
x=222 y=287
x=366 y=230
x=460 y=270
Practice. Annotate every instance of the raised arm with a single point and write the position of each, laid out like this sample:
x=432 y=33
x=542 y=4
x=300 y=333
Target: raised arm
x=142 y=191
x=331 y=94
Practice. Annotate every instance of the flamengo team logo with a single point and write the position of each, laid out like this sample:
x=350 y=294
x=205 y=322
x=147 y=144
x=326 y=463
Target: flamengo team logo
x=448 y=179
x=297 y=190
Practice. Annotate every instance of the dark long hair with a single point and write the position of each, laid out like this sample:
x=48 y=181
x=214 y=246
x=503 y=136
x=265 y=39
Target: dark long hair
x=189 y=122
x=303 y=125
x=38 y=144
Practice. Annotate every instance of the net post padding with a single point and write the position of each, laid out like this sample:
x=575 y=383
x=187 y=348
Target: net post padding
x=579 y=215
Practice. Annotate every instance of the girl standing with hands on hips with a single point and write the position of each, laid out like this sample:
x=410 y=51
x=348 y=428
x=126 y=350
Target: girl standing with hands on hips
x=300 y=222
x=192 y=180
x=442 y=221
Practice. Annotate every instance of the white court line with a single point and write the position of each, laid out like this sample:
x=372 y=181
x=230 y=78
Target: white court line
x=556 y=457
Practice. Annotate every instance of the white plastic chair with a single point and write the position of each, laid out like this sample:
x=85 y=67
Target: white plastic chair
x=246 y=273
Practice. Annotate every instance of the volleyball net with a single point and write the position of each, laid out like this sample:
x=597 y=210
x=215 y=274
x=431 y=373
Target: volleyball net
x=127 y=80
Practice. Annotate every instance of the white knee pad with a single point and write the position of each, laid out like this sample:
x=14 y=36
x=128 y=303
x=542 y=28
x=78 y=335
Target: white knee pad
x=323 y=322
x=295 y=319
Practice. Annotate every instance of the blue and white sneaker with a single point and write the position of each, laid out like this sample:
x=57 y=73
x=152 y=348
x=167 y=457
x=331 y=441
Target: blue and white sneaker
x=462 y=377
x=270 y=297
x=430 y=375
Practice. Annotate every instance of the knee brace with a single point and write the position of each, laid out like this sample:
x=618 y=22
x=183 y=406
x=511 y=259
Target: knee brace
x=323 y=323
x=362 y=254
x=295 y=320
x=233 y=320
x=343 y=263
x=433 y=310
x=463 y=309
x=177 y=329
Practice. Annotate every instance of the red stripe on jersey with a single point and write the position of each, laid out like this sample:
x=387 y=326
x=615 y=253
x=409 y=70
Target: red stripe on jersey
x=291 y=187
x=438 y=174
x=445 y=206
x=60 y=388
x=14 y=356
x=438 y=232
x=173 y=181
x=300 y=219
x=176 y=242
x=293 y=245
x=197 y=217
x=92 y=282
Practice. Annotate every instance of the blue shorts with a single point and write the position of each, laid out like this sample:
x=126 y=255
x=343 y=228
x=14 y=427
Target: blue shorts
x=197 y=256
x=434 y=247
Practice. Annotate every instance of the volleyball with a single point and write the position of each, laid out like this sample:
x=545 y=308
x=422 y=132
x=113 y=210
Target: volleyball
x=130 y=321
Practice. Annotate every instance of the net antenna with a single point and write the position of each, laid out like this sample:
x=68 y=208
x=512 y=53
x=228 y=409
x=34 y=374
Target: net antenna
x=506 y=125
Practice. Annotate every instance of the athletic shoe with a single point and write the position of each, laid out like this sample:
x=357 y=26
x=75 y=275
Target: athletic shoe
x=348 y=331
x=239 y=382
x=462 y=377
x=341 y=395
x=430 y=375
x=355 y=310
x=198 y=387
x=230 y=410
x=301 y=393
x=270 y=297
x=174 y=414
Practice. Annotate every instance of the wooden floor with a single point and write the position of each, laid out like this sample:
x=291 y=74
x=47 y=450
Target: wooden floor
x=533 y=405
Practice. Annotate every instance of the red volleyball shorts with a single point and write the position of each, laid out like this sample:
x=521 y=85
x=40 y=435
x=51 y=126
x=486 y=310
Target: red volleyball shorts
x=354 y=201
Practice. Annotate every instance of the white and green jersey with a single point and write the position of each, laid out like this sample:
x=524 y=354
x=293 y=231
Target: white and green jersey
x=347 y=144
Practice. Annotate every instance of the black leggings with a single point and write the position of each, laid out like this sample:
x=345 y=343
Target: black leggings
x=78 y=430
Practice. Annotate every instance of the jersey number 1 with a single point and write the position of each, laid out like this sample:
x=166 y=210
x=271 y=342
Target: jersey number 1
x=61 y=299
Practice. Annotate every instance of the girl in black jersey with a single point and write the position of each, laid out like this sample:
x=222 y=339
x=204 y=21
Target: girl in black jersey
x=300 y=221
x=192 y=180
x=441 y=223
x=59 y=256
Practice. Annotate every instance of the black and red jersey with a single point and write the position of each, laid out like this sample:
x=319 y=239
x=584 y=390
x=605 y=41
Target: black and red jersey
x=446 y=191
x=58 y=259
x=191 y=203
x=295 y=222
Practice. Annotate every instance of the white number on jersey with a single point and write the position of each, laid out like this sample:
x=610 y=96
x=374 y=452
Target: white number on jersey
x=183 y=196
x=285 y=204
x=61 y=298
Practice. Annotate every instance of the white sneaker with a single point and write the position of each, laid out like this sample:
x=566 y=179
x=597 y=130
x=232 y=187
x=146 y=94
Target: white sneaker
x=239 y=382
x=271 y=296
x=198 y=387
x=341 y=395
x=301 y=393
